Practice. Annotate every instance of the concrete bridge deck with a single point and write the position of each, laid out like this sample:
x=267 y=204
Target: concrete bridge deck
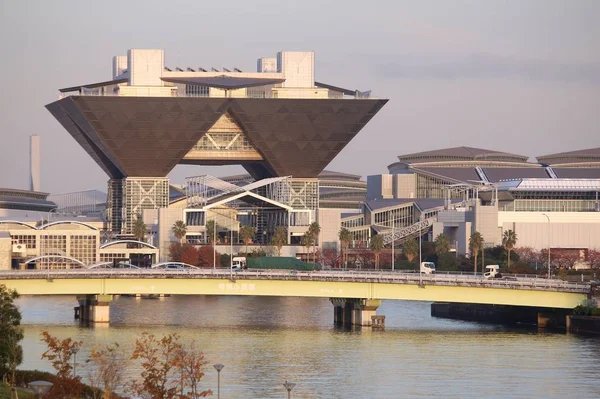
x=534 y=292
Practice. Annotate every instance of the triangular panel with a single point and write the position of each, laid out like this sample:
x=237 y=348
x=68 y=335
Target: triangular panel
x=224 y=141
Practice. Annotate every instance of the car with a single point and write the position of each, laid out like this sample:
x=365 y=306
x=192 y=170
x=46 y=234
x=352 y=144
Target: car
x=174 y=267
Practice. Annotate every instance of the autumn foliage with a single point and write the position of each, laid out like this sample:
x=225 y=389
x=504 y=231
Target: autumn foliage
x=192 y=255
x=169 y=370
x=59 y=353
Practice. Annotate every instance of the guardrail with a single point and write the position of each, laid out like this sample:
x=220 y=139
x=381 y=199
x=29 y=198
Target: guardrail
x=388 y=277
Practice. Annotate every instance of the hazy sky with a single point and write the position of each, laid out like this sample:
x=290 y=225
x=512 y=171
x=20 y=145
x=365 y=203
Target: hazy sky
x=519 y=76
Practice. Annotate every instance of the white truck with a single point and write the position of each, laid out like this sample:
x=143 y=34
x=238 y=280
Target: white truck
x=492 y=271
x=427 y=267
x=239 y=263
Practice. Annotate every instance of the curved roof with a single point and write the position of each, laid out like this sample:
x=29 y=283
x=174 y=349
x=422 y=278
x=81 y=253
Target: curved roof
x=45 y=226
x=461 y=154
x=111 y=243
x=579 y=156
x=224 y=81
x=18 y=222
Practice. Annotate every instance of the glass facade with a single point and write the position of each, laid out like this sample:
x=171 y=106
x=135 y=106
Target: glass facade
x=29 y=240
x=83 y=247
x=541 y=205
x=432 y=187
x=139 y=194
x=398 y=217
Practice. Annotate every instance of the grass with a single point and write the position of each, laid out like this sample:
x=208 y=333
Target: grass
x=23 y=393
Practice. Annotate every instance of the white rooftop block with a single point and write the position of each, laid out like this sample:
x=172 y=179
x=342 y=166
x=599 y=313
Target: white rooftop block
x=145 y=67
x=297 y=67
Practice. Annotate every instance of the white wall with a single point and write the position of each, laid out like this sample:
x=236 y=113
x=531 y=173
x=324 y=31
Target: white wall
x=119 y=65
x=34 y=162
x=145 y=67
x=330 y=221
x=266 y=65
x=297 y=67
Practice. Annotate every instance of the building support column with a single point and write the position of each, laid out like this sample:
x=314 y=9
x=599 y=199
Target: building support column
x=94 y=308
x=354 y=311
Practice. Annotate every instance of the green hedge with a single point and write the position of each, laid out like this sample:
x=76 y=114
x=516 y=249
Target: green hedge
x=586 y=311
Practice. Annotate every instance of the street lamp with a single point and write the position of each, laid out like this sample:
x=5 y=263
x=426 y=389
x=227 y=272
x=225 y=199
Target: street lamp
x=74 y=353
x=549 y=270
x=393 y=260
x=289 y=386
x=218 y=367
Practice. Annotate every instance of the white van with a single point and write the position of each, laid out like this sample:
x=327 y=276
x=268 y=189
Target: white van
x=492 y=271
x=427 y=267
x=239 y=263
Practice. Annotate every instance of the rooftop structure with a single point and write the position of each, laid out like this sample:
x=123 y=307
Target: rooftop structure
x=17 y=203
x=149 y=118
x=579 y=158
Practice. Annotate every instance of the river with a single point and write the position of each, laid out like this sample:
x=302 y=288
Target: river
x=264 y=341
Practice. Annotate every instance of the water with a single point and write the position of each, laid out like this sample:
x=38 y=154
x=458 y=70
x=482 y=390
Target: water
x=265 y=341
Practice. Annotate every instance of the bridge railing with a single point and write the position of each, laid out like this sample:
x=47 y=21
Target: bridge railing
x=278 y=274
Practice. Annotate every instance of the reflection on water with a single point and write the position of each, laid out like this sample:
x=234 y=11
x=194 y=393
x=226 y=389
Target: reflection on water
x=265 y=341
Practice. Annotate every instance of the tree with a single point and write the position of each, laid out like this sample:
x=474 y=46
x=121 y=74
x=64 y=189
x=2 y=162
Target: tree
x=411 y=249
x=11 y=352
x=247 y=235
x=179 y=230
x=169 y=370
x=593 y=258
x=59 y=353
x=107 y=372
x=139 y=229
x=376 y=246
x=331 y=258
x=305 y=241
x=279 y=239
x=314 y=229
x=529 y=255
x=345 y=237
x=442 y=245
x=509 y=240
x=475 y=245
x=211 y=230
x=191 y=366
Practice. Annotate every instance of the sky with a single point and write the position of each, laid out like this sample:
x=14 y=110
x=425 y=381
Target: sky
x=520 y=76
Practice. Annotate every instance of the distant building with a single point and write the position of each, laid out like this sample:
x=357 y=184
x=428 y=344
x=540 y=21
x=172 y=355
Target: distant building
x=276 y=122
x=554 y=202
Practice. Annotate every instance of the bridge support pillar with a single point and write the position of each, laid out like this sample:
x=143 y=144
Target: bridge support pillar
x=94 y=308
x=354 y=311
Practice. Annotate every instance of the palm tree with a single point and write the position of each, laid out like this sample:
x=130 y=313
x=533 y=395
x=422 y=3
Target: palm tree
x=509 y=240
x=376 y=246
x=314 y=229
x=345 y=237
x=279 y=238
x=139 y=229
x=411 y=249
x=179 y=229
x=442 y=245
x=247 y=235
x=475 y=245
x=306 y=241
x=211 y=229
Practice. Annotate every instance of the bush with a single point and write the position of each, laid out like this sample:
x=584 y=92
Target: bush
x=583 y=310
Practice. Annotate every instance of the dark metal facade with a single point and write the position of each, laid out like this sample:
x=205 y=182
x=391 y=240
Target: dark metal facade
x=148 y=136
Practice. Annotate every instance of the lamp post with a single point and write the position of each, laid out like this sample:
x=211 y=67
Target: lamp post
x=393 y=260
x=420 y=275
x=218 y=367
x=549 y=269
x=289 y=386
x=214 y=243
x=74 y=353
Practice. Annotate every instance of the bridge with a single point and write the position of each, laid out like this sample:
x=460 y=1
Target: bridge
x=357 y=293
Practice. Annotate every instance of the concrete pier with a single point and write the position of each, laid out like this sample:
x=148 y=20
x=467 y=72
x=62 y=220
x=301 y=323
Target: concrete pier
x=354 y=311
x=93 y=308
